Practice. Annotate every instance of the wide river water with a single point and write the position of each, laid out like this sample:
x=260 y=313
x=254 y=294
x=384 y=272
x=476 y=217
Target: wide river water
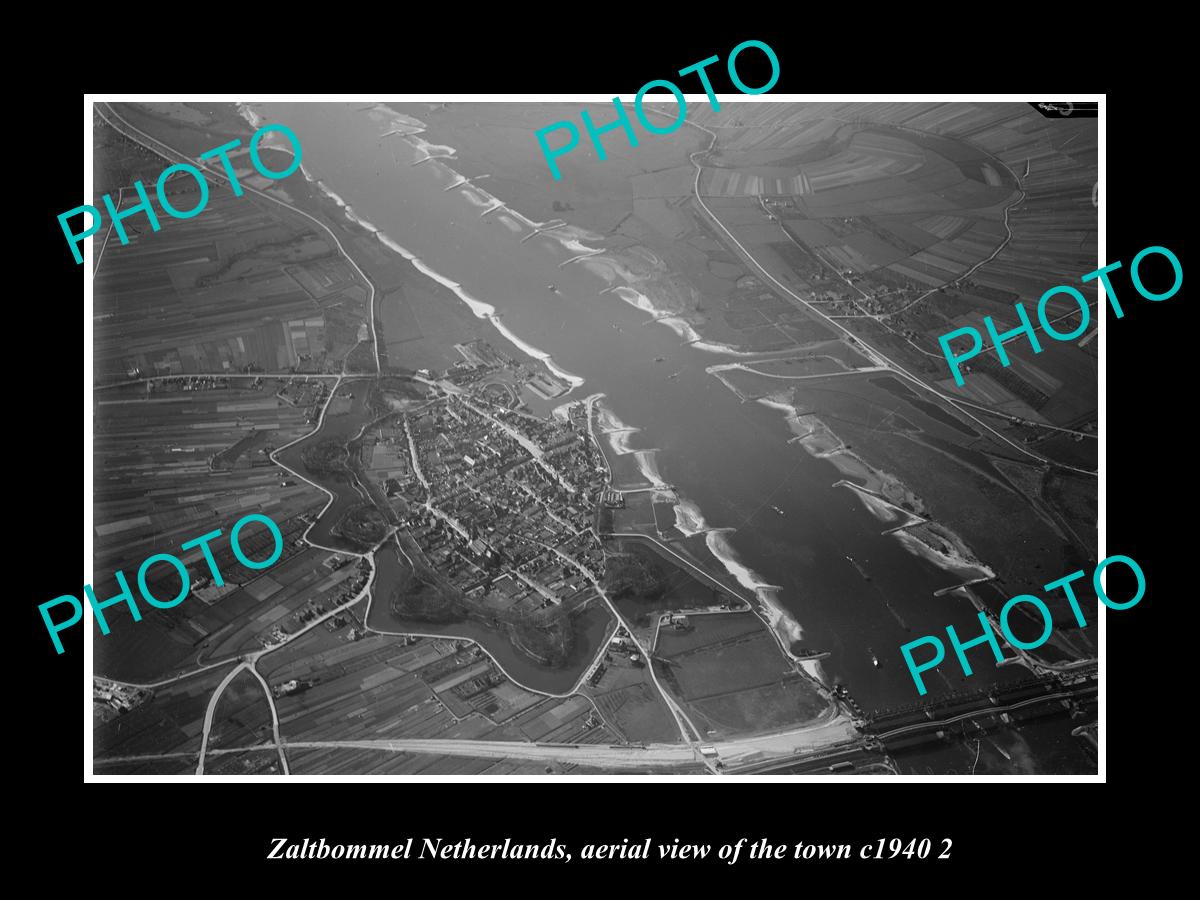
x=731 y=459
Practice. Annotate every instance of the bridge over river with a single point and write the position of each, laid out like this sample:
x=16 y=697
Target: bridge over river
x=901 y=728
x=1039 y=695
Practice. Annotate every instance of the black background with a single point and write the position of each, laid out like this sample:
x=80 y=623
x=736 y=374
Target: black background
x=201 y=836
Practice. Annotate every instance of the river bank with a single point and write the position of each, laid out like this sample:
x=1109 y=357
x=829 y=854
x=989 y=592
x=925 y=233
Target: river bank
x=744 y=500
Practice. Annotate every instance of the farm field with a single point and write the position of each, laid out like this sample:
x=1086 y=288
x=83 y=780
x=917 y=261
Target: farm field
x=171 y=721
x=379 y=687
x=732 y=679
x=452 y=562
x=990 y=203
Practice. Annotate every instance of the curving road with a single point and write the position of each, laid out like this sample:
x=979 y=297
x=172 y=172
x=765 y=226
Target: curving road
x=872 y=351
x=172 y=155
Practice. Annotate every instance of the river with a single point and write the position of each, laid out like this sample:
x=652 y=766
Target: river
x=731 y=459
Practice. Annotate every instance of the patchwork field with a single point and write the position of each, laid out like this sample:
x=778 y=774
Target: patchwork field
x=171 y=721
x=224 y=338
x=386 y=687
x=244 y=286
x=730 y=676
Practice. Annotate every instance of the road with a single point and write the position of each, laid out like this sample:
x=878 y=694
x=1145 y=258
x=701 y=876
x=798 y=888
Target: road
x=809 y=738
x=682 y=720
x=812 y=748
x=539 y=456
x=146 y=378
x=872 y=351
x=580 y=754
x=173 y=155
x=212 y=706
x=249 y=661
x=108 y=233
x=283 y=763
x=600 y=755
x=879 y=318
x=766 y=748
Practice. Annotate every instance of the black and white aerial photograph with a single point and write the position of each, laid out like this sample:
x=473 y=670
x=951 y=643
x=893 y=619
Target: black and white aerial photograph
x=485 y=438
